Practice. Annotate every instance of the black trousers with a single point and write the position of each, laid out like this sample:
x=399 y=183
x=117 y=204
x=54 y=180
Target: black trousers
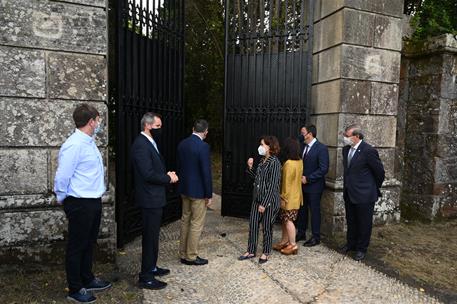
x=311 y=204
x=267 y=218
x=152 y=218
x=84 y=215
x=359 y=219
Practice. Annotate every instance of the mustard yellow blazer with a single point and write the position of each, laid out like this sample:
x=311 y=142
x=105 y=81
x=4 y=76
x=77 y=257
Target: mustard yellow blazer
x=291 y=192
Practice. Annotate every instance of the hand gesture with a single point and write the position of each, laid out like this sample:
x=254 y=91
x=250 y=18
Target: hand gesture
x=250 y=162
x=173 y=177
x=261 y=209
x=304 y=181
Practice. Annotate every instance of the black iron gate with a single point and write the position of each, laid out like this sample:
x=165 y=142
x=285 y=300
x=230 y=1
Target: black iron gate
x=267 y=84
x=148 y=62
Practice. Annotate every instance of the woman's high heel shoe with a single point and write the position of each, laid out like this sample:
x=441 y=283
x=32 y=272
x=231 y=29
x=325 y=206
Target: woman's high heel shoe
x=290 y=249
x=279 y=246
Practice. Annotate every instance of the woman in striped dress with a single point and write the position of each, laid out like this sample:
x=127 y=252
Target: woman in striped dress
x=265 y=202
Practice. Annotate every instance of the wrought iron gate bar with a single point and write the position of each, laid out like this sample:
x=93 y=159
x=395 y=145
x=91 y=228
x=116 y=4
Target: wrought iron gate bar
x=150 y=61
x=267 y=84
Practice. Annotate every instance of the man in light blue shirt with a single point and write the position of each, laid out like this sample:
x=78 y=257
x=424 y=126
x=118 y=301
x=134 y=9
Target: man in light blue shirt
x=79 y=185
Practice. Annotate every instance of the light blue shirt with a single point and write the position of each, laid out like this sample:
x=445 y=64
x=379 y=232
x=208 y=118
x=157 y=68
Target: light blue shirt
x=80 y=170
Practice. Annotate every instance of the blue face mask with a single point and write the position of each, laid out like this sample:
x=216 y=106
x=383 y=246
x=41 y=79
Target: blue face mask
x=98 y=128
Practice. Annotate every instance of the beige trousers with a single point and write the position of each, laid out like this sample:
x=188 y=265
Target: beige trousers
x=192 y=222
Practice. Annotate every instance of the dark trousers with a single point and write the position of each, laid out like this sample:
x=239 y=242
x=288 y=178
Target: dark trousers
x=83 y=216
x=152 y=218
x=359 y=219
x=267 y=218
x=311 y=204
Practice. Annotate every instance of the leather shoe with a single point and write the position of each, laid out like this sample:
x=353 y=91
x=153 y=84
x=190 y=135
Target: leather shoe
x=359 y=256
x=152 y=284
x=311 y=242
x=197 y=262
x=159 y=272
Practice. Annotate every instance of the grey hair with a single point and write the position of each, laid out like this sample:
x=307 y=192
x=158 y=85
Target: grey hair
x=148 y=118
x=356 y=130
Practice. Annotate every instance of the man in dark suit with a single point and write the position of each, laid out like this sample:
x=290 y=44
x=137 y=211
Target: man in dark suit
x=150 y=180
x=363 y=177
x=315 y=167
x=196 y=189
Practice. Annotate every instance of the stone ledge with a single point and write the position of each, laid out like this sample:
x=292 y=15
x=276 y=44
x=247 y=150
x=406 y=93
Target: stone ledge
x=438 y=44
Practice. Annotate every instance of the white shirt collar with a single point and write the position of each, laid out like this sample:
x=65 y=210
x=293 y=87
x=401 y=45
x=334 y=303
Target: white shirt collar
x=148 y=137
x=196 y=134
x=357 y=145
x=312 y=143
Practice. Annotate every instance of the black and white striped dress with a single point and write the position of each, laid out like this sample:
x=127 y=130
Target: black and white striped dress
x=267 y=183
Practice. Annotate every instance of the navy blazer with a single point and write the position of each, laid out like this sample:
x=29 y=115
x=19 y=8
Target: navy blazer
x=194 y=168
x=365 y=175
x=149 y=174
x=315 y=167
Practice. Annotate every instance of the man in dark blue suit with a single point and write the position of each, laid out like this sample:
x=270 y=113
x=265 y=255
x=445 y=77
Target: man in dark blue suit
x=196 y=189
x=363 y=177
x=315 y=167
x=150 y=181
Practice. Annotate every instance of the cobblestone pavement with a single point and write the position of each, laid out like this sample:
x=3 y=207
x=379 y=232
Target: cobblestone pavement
x=315 y=275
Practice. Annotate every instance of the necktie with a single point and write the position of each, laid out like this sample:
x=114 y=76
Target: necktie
x=305 y=152
x=155 y=146
x=350 y=155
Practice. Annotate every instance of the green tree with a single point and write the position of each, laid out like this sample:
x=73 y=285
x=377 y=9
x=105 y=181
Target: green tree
x=433 y=17
x=204 y=72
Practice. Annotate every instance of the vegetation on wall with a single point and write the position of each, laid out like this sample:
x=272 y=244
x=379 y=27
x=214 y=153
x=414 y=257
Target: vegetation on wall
x=432 y=17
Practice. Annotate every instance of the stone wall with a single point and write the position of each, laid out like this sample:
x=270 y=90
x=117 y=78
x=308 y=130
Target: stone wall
x=52 y=57
x=428 y=108
x=356 y=69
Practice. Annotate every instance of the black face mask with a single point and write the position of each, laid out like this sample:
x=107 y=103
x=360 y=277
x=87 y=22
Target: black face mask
x=156 y=133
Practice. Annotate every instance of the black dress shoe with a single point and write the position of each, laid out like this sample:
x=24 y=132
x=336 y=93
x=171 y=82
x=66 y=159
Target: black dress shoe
x=160 y=272
x=152 y=284
x=311 y=242
x=197 y=262
x=359 y=256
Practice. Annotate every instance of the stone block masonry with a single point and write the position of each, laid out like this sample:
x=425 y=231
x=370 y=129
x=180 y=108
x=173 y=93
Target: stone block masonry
x=356 y=72
x=53 y=56
x=428 y=143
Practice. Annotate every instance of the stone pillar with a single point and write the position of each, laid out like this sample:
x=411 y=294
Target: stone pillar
x=429 y=101
x=52 y=57
x=356 y=68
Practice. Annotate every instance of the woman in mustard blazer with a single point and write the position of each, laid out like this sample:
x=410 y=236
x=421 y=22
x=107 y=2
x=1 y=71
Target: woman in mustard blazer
x=291 y=196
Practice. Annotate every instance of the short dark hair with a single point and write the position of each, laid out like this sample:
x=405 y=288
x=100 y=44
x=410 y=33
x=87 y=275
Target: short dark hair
x=291 y=149
x=272 y=142
x=200 y=125
x=311 y=129
x=83 y=113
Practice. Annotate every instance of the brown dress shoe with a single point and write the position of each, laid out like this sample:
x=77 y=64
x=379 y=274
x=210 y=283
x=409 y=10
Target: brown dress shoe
x=290 y=249
x=279 y=246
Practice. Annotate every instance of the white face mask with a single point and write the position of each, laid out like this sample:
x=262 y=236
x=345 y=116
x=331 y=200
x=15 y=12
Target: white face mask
x=348 y=141
x=98 y=128
x=262 y=150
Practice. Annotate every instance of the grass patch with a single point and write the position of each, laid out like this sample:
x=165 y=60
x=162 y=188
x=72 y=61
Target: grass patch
x=422 y=255
x=47 y=284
